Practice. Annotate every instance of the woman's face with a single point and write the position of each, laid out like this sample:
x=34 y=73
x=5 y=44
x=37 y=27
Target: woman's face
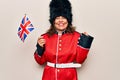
x=60 y=23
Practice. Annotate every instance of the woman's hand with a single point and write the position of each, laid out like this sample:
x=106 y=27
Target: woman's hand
x=41 y=41
x=85 y=33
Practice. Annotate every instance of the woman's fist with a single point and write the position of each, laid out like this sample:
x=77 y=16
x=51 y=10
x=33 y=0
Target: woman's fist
x=41 y=41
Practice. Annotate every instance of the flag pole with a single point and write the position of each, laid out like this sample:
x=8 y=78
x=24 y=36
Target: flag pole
x=25 y=14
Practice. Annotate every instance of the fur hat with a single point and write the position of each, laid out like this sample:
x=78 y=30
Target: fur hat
x=60 y=8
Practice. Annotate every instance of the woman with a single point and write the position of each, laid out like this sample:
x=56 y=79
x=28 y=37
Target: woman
x=63 y=48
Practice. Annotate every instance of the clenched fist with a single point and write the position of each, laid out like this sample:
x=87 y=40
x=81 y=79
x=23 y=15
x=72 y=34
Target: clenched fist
x=41 y=41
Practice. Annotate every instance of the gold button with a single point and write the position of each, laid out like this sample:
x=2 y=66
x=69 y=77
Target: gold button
x=58 y=70
x=60 y=49
x=59 y=44
x=60 y=40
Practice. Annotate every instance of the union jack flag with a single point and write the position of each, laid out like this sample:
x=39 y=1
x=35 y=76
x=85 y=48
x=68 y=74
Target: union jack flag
x=25 y=28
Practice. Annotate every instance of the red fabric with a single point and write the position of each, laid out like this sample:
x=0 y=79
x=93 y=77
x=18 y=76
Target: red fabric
x=68 y=51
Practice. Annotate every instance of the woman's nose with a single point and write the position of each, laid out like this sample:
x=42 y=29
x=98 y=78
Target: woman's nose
x=60 y=18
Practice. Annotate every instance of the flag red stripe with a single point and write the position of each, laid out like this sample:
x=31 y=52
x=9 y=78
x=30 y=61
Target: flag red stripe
x=24 y=28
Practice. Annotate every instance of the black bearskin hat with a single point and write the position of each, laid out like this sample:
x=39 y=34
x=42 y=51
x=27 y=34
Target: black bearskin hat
x=60 y=8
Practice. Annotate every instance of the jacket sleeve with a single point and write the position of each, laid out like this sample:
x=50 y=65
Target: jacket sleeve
x=83 y=46
x=39 y=55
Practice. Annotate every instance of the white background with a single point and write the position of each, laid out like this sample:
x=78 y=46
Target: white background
x=100 y=18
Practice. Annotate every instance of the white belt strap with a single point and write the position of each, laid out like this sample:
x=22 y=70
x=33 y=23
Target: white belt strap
x=64 y=65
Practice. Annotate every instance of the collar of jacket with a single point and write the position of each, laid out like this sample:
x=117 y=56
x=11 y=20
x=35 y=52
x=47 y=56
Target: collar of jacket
x=63 y=32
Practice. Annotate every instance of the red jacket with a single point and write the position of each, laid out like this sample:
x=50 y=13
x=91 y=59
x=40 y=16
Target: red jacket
x=68 y=48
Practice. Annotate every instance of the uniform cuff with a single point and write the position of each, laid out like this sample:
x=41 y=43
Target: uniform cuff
x=40 y=50
x=85 y=41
